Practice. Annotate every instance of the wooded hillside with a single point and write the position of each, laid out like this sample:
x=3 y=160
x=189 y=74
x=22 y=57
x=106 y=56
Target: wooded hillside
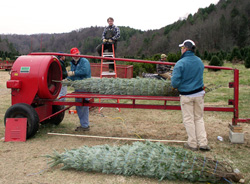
x=216 y=28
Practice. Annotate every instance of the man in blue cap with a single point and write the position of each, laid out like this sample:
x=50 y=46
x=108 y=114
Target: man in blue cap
x=187 y=77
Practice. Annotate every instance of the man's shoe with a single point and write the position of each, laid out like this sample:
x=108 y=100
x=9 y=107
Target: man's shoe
x=189 y=147
x=78 y=129
x=205 y=148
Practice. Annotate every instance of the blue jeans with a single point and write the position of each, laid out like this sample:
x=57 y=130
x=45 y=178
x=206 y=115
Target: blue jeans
x=63 y=92
x=82 y=112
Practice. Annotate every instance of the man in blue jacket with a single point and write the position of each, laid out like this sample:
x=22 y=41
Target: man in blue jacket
x=80 y=69
x=187 y=77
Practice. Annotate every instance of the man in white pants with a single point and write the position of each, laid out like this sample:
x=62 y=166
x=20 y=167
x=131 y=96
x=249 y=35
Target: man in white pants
x=187 y=77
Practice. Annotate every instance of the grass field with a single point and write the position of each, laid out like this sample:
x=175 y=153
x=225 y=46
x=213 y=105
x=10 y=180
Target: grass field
x=22 y=162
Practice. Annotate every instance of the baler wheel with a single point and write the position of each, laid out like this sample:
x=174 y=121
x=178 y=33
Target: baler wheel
x=22 y=110
x=56 y=120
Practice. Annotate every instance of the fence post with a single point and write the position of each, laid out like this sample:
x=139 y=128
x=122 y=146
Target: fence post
x=236 y=97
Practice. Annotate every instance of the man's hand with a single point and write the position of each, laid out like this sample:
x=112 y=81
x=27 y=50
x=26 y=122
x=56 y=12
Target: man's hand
x=104 y=40
x=71 y=73
x=110 y=41
x=173 y=89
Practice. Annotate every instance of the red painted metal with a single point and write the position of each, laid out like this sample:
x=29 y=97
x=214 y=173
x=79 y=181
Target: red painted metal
x=6 y=65
x=44 y=111
x=243 y=120
x=134 y=99
x=51 y=115
x=30 y=85
x=123 y=71
x=236 y=97
x=122 y=59
x=15 y=130
x=102 y=62
x=35 y=75
x=14 y=84
x=234 y=84
x=127 y=97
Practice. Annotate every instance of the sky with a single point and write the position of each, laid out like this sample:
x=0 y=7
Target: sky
x=60 y=16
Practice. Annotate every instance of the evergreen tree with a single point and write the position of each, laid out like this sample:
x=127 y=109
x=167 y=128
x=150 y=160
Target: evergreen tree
x=243 y=31
x=215 y=61
x=247 y=61
x=156 y=57
x=197 y=53
x=209 y=56
x=220 y=56
x=236 y=55
x=3 y=56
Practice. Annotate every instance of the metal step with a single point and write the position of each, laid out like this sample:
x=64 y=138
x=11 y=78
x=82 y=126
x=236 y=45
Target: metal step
x=108 y=56
x=108 y=73
x=107 y=62
x=107 y=53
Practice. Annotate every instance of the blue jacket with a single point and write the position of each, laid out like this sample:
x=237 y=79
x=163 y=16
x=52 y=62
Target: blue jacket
x=82 y=69
x=187 y=75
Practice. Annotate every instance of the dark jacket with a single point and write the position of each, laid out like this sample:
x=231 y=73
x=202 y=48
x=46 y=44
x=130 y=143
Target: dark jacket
x=161 y=69
x=64 y=71
x=111 y=32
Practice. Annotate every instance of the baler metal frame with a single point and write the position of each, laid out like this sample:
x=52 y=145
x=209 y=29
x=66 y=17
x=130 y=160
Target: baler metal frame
x=234 y=102
x=6 y=65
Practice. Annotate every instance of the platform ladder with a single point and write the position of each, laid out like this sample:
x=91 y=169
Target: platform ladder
x=108 y=62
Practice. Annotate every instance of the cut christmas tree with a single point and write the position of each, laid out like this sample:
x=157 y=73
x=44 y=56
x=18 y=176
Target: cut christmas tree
x=146 y=159
x=118 y=86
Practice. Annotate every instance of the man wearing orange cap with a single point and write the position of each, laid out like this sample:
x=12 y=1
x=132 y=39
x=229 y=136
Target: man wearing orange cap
x=79 y=70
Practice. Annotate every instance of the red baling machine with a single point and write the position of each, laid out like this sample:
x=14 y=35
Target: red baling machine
x=32 y=79
x=35 y=87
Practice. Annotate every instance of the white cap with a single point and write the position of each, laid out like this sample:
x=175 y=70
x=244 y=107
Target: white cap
x=188 y=43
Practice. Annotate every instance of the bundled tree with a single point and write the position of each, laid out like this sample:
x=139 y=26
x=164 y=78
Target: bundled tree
x=146 y=159
x=118 y=86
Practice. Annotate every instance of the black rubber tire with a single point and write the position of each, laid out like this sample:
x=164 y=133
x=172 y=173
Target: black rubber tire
x=56 y=120
x=22 y=110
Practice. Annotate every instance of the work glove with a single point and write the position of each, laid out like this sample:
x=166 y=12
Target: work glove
x=104 y=40
x=110 y=41
x=71 y=73
x=173 y=89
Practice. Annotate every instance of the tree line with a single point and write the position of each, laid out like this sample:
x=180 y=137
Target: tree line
x=222 y=30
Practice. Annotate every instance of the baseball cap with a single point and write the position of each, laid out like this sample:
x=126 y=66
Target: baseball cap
x=74 y=51
x=188 y=43
x=59 y=56
x=163 y=56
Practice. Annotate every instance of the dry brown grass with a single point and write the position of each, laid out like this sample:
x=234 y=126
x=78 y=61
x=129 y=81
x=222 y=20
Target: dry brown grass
x=21 y=162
